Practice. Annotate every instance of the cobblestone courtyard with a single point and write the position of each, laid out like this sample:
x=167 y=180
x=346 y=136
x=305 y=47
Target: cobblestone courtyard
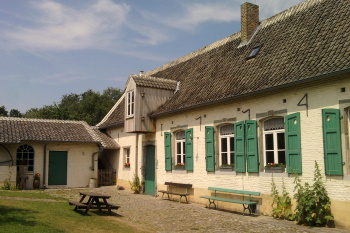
x=152 y=214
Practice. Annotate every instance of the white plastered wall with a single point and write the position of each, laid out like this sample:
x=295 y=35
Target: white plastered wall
x=133 y=142
x=320 y=96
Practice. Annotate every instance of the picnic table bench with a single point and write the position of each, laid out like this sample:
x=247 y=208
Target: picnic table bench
x=95 y=201
x=248 y=202
x=170 y=192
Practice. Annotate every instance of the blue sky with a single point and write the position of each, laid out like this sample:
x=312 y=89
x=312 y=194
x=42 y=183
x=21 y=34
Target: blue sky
x=49 y=48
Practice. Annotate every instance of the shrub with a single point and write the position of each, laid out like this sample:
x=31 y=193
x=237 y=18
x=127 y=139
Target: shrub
x=281 y=204
x=135 y=185
x=313 y=203
x=8 y=186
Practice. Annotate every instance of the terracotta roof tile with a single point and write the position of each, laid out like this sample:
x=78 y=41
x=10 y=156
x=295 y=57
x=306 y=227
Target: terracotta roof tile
x=17 y=130
x=115 y=117
x=160 y=83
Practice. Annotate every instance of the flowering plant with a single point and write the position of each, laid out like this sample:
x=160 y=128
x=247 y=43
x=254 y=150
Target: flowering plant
x=227 y=165
x=127 y=164
x=37 y=176
x=180 y=165
x=275 y=165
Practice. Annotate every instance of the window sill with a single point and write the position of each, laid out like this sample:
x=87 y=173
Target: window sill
x=129 y=117
x=225 y=172
x=264 y=174
x=179 y=171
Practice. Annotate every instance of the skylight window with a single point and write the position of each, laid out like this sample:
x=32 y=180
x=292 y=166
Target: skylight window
x=254 y=52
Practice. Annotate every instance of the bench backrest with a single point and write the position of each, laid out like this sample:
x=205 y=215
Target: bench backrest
x=234 y=191
x=178 y=184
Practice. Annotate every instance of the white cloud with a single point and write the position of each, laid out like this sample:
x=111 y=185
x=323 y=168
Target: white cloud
x=59 y=27
x=197 y=13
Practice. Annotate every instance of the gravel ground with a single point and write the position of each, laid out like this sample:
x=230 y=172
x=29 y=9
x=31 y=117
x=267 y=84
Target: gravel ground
x=152 y=214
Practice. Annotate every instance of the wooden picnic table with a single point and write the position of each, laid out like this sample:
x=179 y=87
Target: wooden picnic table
x=95 y=201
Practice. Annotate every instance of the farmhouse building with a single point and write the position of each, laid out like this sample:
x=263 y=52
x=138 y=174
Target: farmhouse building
x=64 y=153
x=277 y=92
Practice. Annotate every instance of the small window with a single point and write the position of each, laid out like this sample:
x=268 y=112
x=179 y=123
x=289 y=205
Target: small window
x=130 y=104
x=254 y=52
x=180 y=147
x=25 y=157
x=227 y=147
x=274 y=146
x=127 y=157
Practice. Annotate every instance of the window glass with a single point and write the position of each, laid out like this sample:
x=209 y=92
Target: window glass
x=25 y=157
x=180 y=147
x=226 y=145
x=269 y=141
x=274 y=141
x=130 y=103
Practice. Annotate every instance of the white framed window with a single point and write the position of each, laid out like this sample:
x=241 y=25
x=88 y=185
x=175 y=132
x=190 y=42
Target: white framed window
x=180 y=147
x=130 y=103
x=226 y=145
x=126 y=156
x=274 y=143
x=25 y=157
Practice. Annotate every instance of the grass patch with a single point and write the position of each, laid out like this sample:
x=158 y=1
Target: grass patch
x=28 y=194
x=42 y=216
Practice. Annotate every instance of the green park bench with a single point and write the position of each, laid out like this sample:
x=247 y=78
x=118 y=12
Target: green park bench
x=247 y=204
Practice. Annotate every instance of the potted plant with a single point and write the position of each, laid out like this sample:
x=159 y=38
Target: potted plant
x=127 y=165
x=275 y=168
x=227 y=167
x=36 y=180
x=180 y=166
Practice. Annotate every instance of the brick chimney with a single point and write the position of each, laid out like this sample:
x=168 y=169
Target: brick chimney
x=249 y=19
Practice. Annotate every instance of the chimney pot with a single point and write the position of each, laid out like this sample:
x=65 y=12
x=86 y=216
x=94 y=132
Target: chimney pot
x=249 y=19
x=141 y=72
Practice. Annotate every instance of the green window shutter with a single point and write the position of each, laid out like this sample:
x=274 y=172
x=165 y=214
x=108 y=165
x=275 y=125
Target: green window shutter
x=167 y=149
x=293 y=146
x=251 y=146
x=332 y=142
x=189 y=149
x=239 y=147
x=209 y=149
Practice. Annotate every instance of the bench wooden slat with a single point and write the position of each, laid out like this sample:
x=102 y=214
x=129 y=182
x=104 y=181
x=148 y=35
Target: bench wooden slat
x=229 y=200
x=178 y=184
x=234 y=191
x=77 y=203
x=173 y=193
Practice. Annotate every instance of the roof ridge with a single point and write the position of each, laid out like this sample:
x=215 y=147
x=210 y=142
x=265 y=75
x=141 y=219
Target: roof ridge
x=155 y=78
x=289 y=12
x=40 y=120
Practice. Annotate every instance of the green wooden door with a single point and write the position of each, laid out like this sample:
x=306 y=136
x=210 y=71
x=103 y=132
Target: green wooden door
x=58 y=168
x=150 y=171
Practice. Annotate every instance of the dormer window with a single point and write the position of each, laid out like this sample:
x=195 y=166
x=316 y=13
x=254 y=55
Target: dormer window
x=254 y=52
x=130 y=103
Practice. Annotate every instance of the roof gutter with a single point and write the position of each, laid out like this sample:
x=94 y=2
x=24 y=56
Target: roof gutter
x=315 y=78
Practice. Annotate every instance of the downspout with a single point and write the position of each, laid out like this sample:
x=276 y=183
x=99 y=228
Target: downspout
x=44 y=166
x=136 y=153
x=100 y=149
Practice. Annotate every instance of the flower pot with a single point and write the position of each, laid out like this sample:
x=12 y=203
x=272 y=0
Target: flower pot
x=226 y=168
x=180 y=168
x=274 y=169
x=36 y=184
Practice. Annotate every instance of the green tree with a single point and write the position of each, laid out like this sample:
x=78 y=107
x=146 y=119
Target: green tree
x=89 y=106
x=3 y=111
x=15 y=113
